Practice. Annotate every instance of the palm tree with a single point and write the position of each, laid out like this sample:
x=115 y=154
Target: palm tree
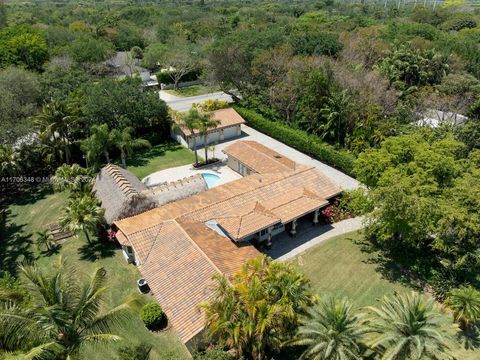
x=205 y=123
x=9 y=162
x=190 y=121
x=408 y=327
x=100 y=141
x=54 y=123
x=124 y=141
x=82 y=214
x=465 y=303
x=331 y=332
x=63 y=315
x=44 y=240
x=259 y=309
x=73 y=178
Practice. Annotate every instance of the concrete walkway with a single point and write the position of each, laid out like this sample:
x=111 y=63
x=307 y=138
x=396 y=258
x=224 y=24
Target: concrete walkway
x=285 y=247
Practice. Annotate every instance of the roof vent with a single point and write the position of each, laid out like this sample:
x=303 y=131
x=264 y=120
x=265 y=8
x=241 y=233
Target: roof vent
x=277 y=156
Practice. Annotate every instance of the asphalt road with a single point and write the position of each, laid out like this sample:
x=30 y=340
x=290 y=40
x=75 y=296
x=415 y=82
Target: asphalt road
x=185 y=103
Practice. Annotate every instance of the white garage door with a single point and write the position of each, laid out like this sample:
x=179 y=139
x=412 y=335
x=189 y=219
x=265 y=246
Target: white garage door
x=213 y=137
x=230 y=132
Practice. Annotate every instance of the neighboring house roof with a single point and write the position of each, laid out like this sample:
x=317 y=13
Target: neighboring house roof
x=119 y=193
x=258 y=157
x=181 y=244
x=227 y=117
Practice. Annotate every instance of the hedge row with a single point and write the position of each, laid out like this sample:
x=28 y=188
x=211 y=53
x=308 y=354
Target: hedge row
x=300 y=140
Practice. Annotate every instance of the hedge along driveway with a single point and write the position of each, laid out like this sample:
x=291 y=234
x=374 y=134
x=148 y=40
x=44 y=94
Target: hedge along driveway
x=300 y=140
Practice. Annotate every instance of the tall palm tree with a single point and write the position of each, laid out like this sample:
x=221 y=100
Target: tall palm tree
x=205 y=123
x=465 y=303
x=126 y=143
x=190 y=121
x=63 y=315
x=100 y=141
x=73 y=178
x=331 y=332
x=82 y=214
x=408 y=327
x=54 y=123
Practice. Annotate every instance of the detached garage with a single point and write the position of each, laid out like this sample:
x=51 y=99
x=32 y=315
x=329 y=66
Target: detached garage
x=229 y=127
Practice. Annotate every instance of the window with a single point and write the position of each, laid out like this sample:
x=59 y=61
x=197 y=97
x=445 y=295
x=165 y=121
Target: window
x=277 y=226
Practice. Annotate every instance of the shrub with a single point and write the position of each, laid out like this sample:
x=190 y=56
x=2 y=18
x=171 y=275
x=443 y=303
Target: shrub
x=212 y=353
x=356 y=202
x=212 y=105
x=164 y=77
x=463 y=21
x=152 y=315
x=300 y=140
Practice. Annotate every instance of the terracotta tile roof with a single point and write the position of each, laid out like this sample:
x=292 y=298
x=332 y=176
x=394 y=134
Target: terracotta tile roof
x=227 y=117
x=227 y=256
x=238 y=197
x=180 y=277
x=259 y=158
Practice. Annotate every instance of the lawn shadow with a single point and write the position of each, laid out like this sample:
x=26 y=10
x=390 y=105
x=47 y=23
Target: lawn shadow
x=96 y=250
x=53 y=251
x=470 y=338
x=14 y=246
x=143 y=158
x=387 y=267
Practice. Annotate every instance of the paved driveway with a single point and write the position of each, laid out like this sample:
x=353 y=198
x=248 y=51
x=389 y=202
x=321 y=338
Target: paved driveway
x=344 y=181
x=185 y=103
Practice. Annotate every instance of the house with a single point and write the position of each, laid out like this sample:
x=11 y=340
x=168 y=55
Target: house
x=180 y=245
x=249 y=157
x=229 y=127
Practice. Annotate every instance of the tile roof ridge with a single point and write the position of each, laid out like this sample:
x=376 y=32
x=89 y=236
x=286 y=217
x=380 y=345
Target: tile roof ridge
x=154 y=242
x=247 y=142
x=260 y=208
x=199 y=248
x=287 y=175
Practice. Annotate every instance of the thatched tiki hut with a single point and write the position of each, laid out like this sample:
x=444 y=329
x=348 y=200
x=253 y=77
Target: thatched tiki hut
x=120 y=193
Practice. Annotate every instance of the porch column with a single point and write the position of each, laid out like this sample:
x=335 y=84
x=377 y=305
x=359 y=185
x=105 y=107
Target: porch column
x=293 y=232
x=269 y=238
x=315 y=217
x=222 y=135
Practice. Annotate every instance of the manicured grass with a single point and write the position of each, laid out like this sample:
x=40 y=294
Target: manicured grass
x=159 y=157
x=345 y=266
x=31 y=214
x=339 y=267
x=193 y=90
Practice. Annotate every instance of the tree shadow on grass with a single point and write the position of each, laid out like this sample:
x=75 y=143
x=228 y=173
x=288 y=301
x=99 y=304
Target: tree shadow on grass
x=470 y=338
x=387 y=267
x=143 y=158
x=29 y=194
x=96 y=250
x=15 y=246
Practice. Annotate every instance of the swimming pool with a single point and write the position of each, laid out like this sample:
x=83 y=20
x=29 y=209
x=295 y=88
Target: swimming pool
x=210 y=179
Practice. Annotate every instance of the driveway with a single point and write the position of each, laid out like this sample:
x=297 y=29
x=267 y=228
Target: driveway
x=185 y=103
x=342 y=180
x=284 y=247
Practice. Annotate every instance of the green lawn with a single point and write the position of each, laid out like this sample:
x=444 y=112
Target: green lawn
x=194 y=90
x=159 y=157
x=31 y=214
x=344 y=266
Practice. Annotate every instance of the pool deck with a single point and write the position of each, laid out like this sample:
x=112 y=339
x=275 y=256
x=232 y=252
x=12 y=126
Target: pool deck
x=220 y=169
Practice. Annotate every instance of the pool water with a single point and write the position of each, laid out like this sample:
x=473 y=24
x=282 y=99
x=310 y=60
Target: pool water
x=210 y=179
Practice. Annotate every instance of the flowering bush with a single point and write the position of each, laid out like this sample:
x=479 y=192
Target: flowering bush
x=335 y=212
